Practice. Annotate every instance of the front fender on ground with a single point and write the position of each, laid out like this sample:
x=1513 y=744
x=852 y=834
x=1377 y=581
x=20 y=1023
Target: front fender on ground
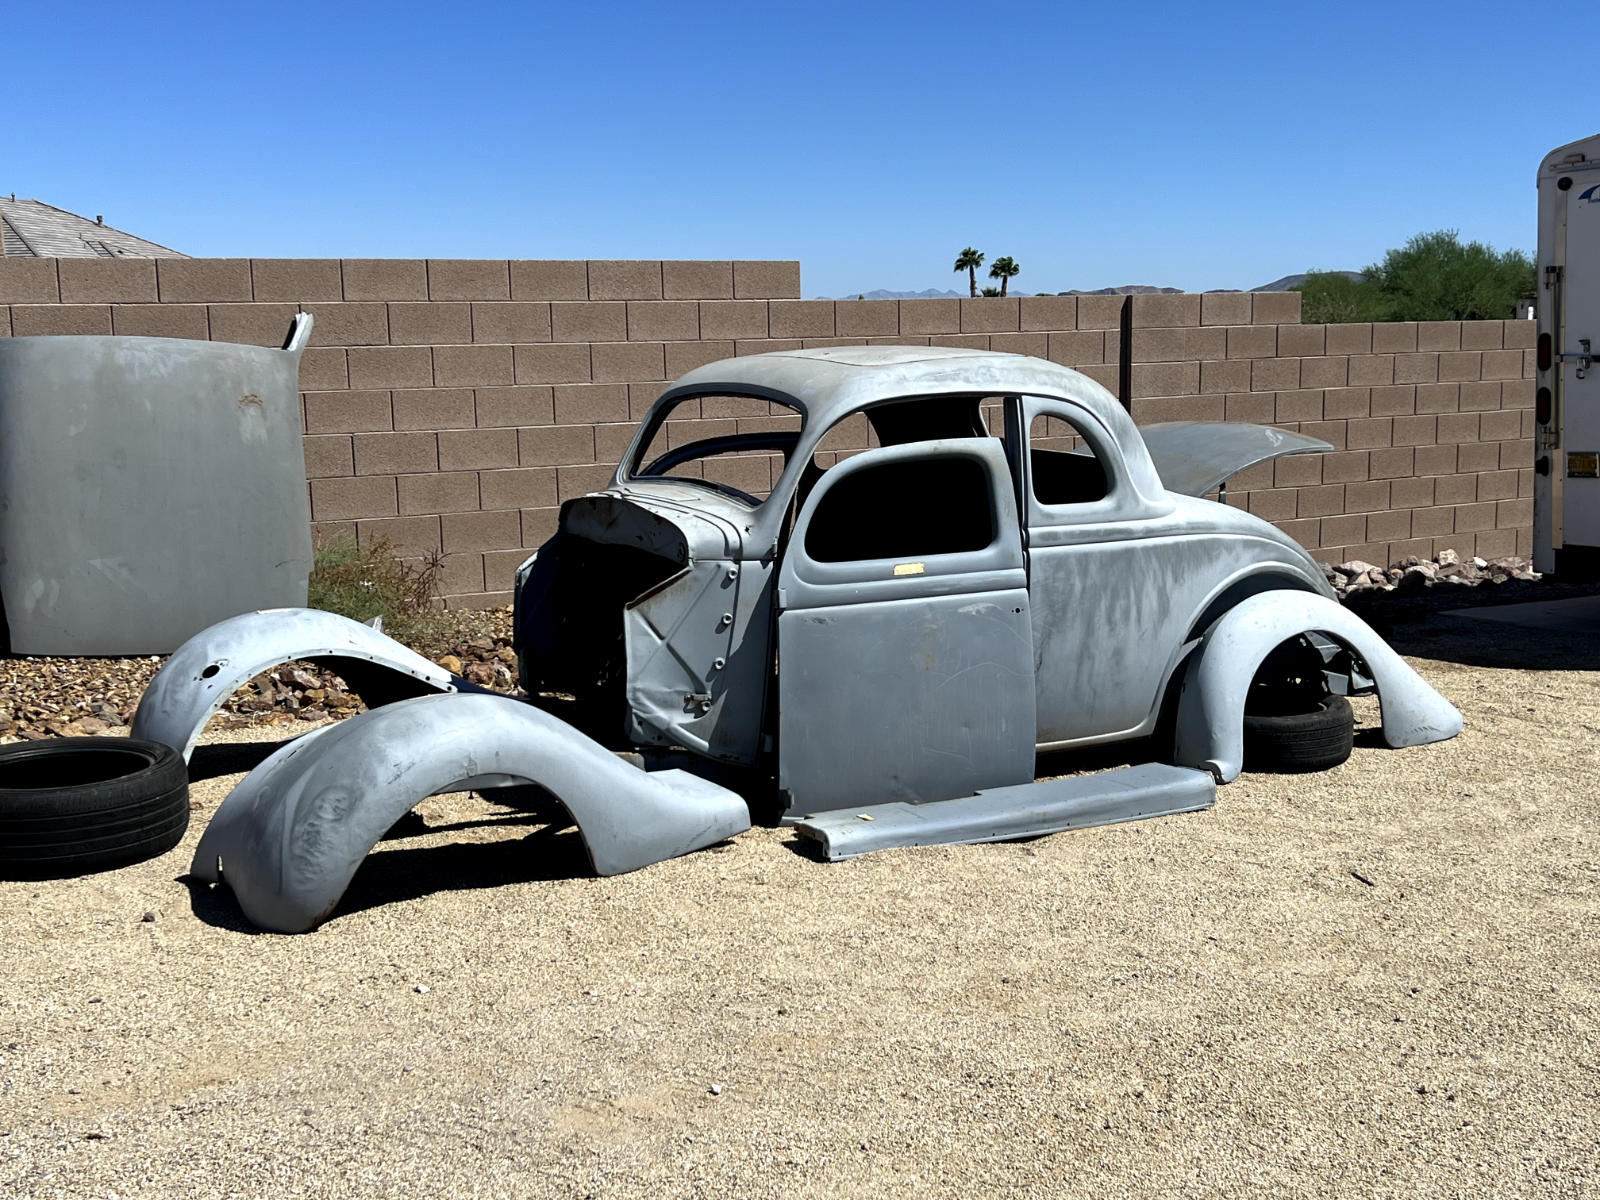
x=290 y=837
x=216 y=662
x=1210 y=733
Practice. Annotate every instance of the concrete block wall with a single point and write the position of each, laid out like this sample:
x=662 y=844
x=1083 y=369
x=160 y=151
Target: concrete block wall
x=452 y=405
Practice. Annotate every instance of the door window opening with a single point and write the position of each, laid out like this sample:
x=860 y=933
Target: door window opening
x=909 y=509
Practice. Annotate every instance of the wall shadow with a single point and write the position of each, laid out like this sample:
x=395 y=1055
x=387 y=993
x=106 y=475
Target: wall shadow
x=228 y=758
x=1494 y=644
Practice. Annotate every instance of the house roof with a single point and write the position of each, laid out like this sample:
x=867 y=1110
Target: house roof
x=34 y=229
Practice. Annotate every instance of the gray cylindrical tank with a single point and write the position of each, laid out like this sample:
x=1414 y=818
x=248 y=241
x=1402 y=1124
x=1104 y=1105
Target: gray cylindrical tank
x=149 y=488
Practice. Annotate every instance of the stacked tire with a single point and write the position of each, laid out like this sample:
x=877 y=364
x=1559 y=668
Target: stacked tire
x=73 y=806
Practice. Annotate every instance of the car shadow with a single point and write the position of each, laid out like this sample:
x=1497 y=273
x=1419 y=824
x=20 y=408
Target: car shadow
x=1495 y=644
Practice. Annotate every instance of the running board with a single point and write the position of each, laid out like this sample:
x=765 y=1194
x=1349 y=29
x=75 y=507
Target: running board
x=1005 y=814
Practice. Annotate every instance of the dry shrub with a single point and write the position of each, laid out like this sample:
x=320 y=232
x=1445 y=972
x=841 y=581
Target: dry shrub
x=362 y=582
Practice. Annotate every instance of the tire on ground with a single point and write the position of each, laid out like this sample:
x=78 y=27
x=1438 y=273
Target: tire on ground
x=1296 y=742
x=71 y=806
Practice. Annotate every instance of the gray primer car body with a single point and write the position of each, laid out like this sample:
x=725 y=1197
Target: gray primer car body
x=151 y=487
x=1060 y=599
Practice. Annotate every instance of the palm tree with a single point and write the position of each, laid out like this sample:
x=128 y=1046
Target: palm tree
x=1003 y=269
x=969 y=260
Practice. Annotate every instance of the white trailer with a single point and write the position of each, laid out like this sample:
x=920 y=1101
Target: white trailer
x=1566 y=484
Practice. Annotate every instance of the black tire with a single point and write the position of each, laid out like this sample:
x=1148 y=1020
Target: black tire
x=72 y=806
x=1298 y=742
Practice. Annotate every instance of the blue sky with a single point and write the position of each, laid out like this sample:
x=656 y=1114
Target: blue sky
x=1186 y=145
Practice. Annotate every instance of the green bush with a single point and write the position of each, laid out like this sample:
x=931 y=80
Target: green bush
x=362 y=582
x=1433 y=277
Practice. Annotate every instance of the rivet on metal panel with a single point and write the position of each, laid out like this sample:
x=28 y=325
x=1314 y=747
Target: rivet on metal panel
x=718 y=663
x=733 y=573
x=727 y=619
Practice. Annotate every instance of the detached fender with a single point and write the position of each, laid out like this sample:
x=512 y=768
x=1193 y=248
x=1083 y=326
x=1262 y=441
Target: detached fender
x=1210 y=733
x=291 y=835
x=216 y=662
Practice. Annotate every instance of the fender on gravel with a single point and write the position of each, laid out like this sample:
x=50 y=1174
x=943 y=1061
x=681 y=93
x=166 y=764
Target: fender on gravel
x=1210 y=733
x=203 y=672
x=290 y=837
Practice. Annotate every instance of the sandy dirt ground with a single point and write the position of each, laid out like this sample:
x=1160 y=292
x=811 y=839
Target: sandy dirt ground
x=1379 y=981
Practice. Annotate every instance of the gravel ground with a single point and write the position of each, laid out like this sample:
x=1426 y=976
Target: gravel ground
x=1379 y=981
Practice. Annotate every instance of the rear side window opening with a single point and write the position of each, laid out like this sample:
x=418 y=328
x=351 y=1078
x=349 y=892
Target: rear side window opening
x=913 y=508
x=736 y=445
x=1062 y=465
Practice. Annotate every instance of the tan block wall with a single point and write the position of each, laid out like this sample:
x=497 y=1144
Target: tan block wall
x=452 y=405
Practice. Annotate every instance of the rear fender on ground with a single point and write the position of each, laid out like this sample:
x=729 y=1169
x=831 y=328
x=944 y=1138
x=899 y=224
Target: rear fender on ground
x=203 y=672
x=290 y=837
x=1210 y=731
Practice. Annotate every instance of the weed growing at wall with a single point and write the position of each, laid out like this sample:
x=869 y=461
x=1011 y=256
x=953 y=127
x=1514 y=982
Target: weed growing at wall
x=362 y=582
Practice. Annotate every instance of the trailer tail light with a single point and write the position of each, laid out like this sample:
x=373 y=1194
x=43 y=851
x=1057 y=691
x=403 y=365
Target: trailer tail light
x=1544 y=352
x=1541 y=406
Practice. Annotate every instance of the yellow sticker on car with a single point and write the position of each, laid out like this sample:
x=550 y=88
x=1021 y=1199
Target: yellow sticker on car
x=909 y=568
x=1581 y=464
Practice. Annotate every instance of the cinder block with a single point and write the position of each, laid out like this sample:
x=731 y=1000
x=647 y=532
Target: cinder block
x=663 y=321
x=468 y=279
x=1482 y=335
x=1470 y=518
x=1416 y=368
x=1516 y=455
x=348 y=412
x=697 y=280
x=1477 y=456
x=556 y=445
x=1393 y=463
x=1166 y=379
x=1251 y=479
x=1036 y=345
x=203 y=280
x=1303 y=341
x=1394 y=337
x=1478 y=397
x=1371 y=496
x=1274 y=374
x=1165 y=312
x=500 y=569
x=572 y=482
x=1455 y=489
x=296 y=280
x=1252 y=408
x=408 y=537
x=1399 y=400
x=775 y=280
x=1325 y=372
x=1225 y=308
x=1095 y=312
x=1307 y=532
x=1501 y=364
x=1252 y=341
x=1497 y=485
x=586 y=404
x=991 y=314
x=1416 y=492
x=323 y=370
x=460 y=575
x=1511 y=514
x=1352 y=339
x=610 y=441
x=434 y=408
x=1438 y=397
x=624 y=279
x=1106 y=376
x=1077 y=348
x=430 y=324
x=29 y=281
x=385 y=278
x=473 y=366
x=1297 y=471
x=1344 y=531
x=727 y=320
x=556 y=363
x=514 y=406
x=589 y=321
x=1416 y=431
x=1232 y=375
x=683 y=357
x=800 y=318
x=1460 y=366
x=1371 y=370
x=1519 y=335
x=1502 y=425
x=1275 y=308
x=1525 y=476
x=510 y=322
x=1459 y=427
x=1047 y=314
x=107 y=280
x=549 y=279
x=539 y=525
x=1391 y=526
x=1436 y=460
x=353 y=498
x=1274 y=505
x=526 y=487
x=349 y=324
x=1343 y=404
x=1324 y=501
x=440 y=492
x=1497 y=543
x=160 y=320
x=249 y=324
x=1525 y=542
x=961 y=341
x=329 y=456
x=391 y=367
x=930 y=317
x=628 y=362
x=1345 y=467
x=1332 y=432
x=1437 y=521
x=1297 y=406
x=396 y=453
x=1439 y=335
x=52 y=320
x=867 y=318
x=477 y=449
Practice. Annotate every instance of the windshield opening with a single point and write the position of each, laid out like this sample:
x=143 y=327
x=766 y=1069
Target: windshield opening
x=737 y=445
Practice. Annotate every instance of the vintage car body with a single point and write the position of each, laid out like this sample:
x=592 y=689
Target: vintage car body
x=1012 y=567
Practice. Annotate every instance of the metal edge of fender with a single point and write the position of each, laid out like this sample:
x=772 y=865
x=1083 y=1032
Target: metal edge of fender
x=203 y=672
x=291 y=835
x=1210 y=732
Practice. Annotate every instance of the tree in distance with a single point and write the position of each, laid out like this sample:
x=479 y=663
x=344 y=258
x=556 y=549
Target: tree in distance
x=991 y=291
x=1433 y=277
x=1004 y=269
x=969 y=260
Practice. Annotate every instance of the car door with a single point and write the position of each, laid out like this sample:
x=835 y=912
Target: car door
x=905 y=654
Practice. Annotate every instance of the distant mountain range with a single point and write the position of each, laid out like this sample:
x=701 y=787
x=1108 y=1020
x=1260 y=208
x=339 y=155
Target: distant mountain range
x=1127 y=289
